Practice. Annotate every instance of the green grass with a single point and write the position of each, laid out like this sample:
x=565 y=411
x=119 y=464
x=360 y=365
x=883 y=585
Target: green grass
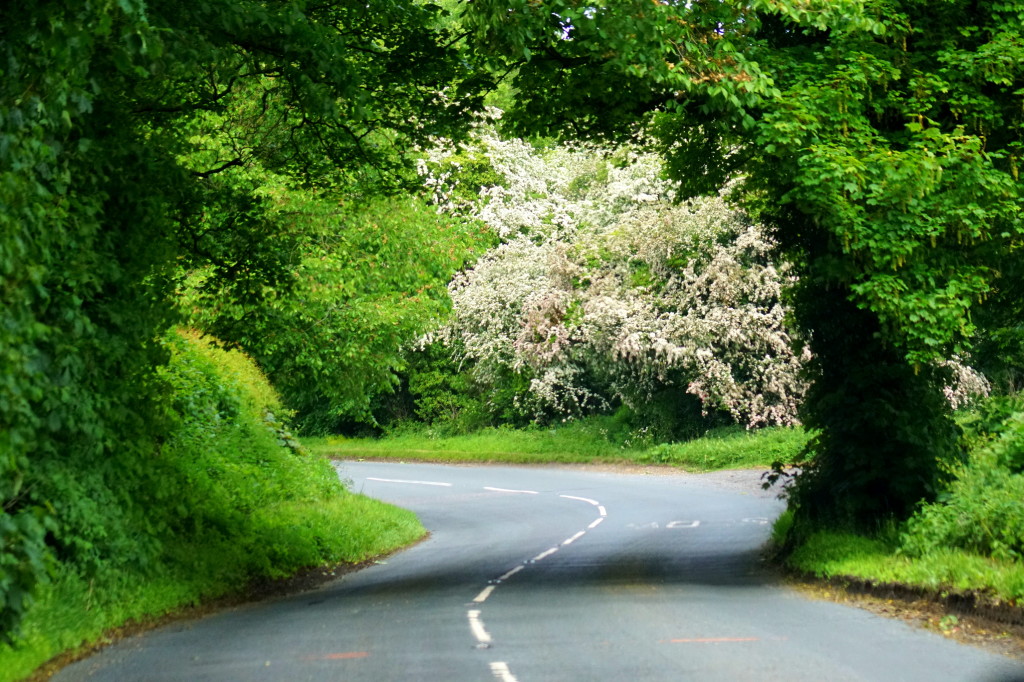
x=585 y=442
x=731 y=448
x=877 y=559
x=230 y=499
x=71 y=612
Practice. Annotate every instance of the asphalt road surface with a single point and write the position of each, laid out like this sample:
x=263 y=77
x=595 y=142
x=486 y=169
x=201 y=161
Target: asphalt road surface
x=537 y=574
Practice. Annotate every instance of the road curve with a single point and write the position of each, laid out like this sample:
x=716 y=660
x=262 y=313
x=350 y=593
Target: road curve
x=537 y=574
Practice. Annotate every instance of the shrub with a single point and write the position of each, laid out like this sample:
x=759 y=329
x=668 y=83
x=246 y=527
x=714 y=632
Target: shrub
x=232 y=461
x=981 y=511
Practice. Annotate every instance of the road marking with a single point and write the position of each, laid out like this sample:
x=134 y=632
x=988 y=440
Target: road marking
x=484 y=594
x=511 y=573
x=759 y=520
x=653 y=524
x=574 y=538
x=501 y=672
x=601 y=510
x=545 y=554
x=582 y=499
x=596 y=523
x=506 y=490
x=714 y=640
x=682 y=524
x=477 y=627
x=397 y=480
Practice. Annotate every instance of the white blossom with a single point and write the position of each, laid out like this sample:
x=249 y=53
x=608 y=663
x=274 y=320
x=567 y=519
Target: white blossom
x=602 y=272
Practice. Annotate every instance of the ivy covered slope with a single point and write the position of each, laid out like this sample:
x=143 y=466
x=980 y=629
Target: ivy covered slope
x=879 y=142
x=235 y=498
x=132 y=139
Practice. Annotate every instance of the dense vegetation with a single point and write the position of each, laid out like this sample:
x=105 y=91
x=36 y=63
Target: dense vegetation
x=969 y=541
x=687 y=220
x=879 y=144
x=150 y=149
x=231 y=497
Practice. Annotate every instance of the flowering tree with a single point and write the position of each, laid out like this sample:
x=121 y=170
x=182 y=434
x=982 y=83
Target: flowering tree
x=605 y=289
x=881 y=141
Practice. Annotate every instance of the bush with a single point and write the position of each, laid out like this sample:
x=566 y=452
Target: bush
x=240 y=476
x=981 y=511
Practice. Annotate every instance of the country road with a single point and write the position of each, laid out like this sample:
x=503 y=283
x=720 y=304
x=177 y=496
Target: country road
x=535 y=574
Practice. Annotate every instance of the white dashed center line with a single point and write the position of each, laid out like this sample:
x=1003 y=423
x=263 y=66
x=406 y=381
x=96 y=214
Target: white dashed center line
x=397 y=480
x=510 y=573
x=501 y=672
x=545 y=554
x=506 y=490
x=574 y=538
x=477 y=627
x=499 y=669
x=484 y=594
x=582 y=499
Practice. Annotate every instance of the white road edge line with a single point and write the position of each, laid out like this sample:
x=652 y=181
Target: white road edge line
x=574 y=538
x=484 y=594
x=511 y=573
x=596 y=523
x=397 y=480
x=582 y=499
x=501 y=672
x=506 y=490
x=477 y=627
x=544 y=554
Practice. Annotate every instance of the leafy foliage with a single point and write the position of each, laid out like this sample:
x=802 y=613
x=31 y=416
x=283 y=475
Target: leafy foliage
x=118 y=120
x=363 y=282
x=880 y=140
x=881 y=425
x=441 y=395
x=234 y=477
x=980 y=512
x=235 y=499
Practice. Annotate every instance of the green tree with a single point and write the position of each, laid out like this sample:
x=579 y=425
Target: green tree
x=364 y=281
x=881 y=140
x=119 y=121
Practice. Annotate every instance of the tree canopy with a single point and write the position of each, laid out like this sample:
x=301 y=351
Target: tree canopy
x=880 y=140
x=130 y=136
x=236 y=164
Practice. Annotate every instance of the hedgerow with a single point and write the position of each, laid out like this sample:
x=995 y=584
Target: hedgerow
x=228 y=496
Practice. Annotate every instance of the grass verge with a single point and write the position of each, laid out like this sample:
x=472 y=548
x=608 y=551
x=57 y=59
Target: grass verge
x=877 y=560
x=577 y=443
x=945 y=581
x=73 y=614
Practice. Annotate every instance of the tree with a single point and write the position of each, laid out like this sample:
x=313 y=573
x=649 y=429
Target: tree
x=120 y=126
x=880 y=140
x=365 y=281
x=606 y=291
